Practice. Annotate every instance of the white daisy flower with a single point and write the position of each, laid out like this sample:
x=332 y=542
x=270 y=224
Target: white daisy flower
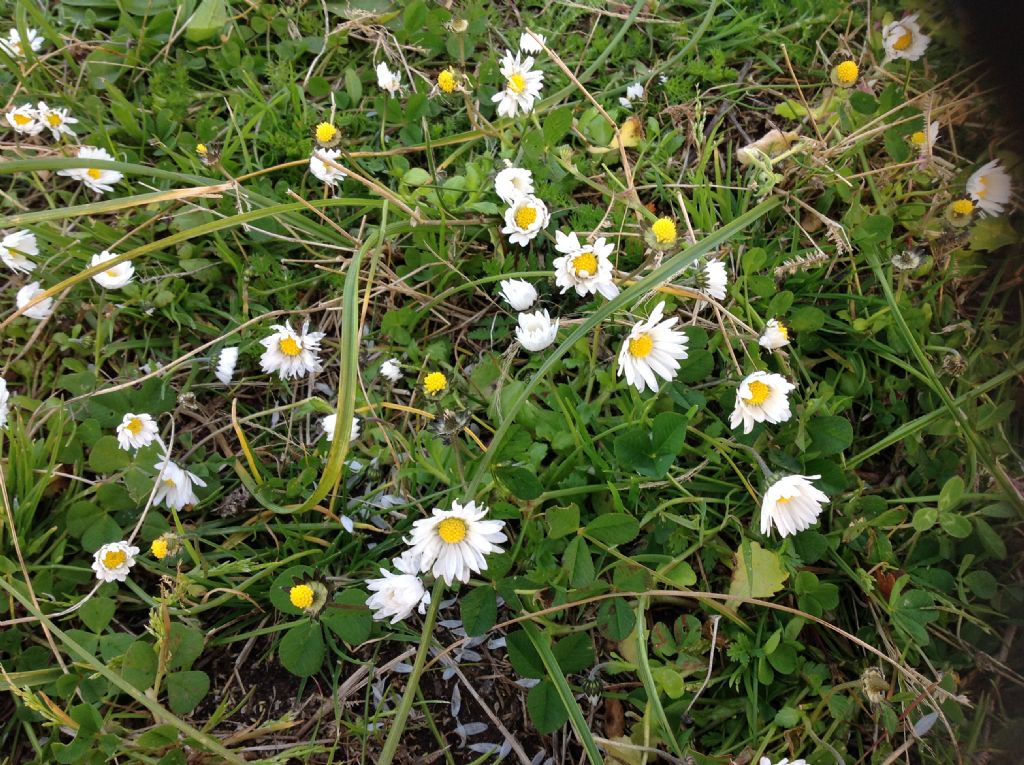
x=40 y=310
x=291 y=353
x=536 y=331
x=5 y=396
x=513 y=183
x=326 y=172
x=925 y=139
x=712 y=280
x=392 y=370
x=904 y=39
x=775 y=335
x=226 y=361
x=114 y=277
x=532 y=42
x=14 y=249
x=174 y=485
x=791 y=504
x=388 y=80
x=989 y=187
x=24 y=120
x=397 y=595
x=113 y=561
x=330 y=422
x=586 y=268
x=96 y=179
x=57 y=120
x=635 y=91
x=652 y=350
x=137 y=431
x=452 y=544
x=522 y=86
x=761 y=397
x=783 y=761
x=525 y=219
x=519 y=293
x=13 y=47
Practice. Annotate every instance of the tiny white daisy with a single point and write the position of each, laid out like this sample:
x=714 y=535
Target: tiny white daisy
x=392 y=370
x=226 y=361
x=532 y=42
x=396 y=596
x=56 y=120
x=114 y=277
x=113 y=561
x=525 y=219
x=5 y=396
x=452 y=543
x=513 y=183
x=24 y=120
x=330 y=423
x=175 y=485
x=989 y=186
x=320 y=165
x=522 y=85
x=586 y=268
x=15 y=249
x=925 y=139
x=291 y=353
x=761 y=397
x=634 y=91
x=12 y=44
x=137 y=431
x=96 y=179
x=536 y=331
x=40 y=310
x=652 y=349
x=388 y=80
x=775 y=335
x=519 y=293
x=791 y=504
x=712 y=280
x=904 y=39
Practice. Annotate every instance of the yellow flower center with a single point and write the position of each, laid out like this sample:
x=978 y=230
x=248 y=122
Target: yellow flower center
x=201 y=149
x=917 y=138
x=114 y=558
x=783 y=500
x=525 y=216
x=94 y=173
x=21 y=119
x=325 y=132
x=170 y=482
x=517 y=83
x=847 y=72
x=758 y=393
x=289 y=346
x=904 y=39
x=446 y=81
x=963 y=206
x=641 y=346
x=134 y=425
x=783 y=330
x=983 y=182
x=111 y=272
x=301 y=596
x=435 y=382
x=452 y=530
x=585 y=264
x=54 y=119
x=159 y=548
x=664 y=230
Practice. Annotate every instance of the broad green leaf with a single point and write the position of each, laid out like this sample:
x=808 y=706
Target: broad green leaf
x=107 y=456
x=519 y=481
x=479 y=610
x=578 y=563
x=186 y=689
x=556 y=125
x=575 y=652
x=523 y=656
x=97 y=613
x=547 y=712
x=615 y=619
x=349 y=618
x=830 y=435
x=951 y=493
x=764 y=577
x=209 y=18
x=302 y=649
x=184 y=644
x=614 y=528
x=563 y=521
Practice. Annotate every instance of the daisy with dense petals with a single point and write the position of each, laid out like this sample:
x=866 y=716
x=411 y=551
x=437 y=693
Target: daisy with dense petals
x=761 y=397
x=5 y=396
x=925 y=139
x=330 y=423
x=584 y=268
x=291 y=353
x=791 y=504
x=323 y=164
x=519 y=293
x=388 y=80
x=989 y=187
x=174 y=485
x=522 y=85
x=536 y=331
x=396 y=596
x=391 y=370
x=114 y=277
x=24 y=120
x=525 y=219
x=40 y=310
x=13 y=46
x=137 y=431
x=532 y=42
x=226 y=361
x=56 y=120
x=904 y=39
x=96 y=179
x=775 y=335
x=113 y=561
x=452 y=544
x=712 y=280
x=15 y=249
x=513 y=183
x=652 y=350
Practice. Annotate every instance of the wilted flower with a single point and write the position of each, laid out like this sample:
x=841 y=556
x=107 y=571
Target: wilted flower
x=388 y=80
x=791 y=504
x=532 y=42
x=392 y=370
x=989 y=187
x=513 y=183
x=323 y=165
x=27 y=294
x=330 y=423
x=174 y=485
x=226 y=361
x=775 y=335
x=14 y=249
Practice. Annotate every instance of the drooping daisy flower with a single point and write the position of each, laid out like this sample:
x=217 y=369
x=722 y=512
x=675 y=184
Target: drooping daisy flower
x=434 y=383
x=924 y=140
x=175 y=485
x=522 y=85
x=391 y=370
x=907 y=260
x=5 y=396
x=584 y=268
x=536 y=331
x=989 y=187
x=56 y=120
x=330 y=423
x=327 y=136
x=652 y=350
x=775 y=335
x=114 y=277
x=845 y=74
x=761 y=397
x=96 y=179
x=113 y=561
x=525 y=219
x=291 y=353
x=513 y=183
x=713 y=279
x=40 y=310
x=791 y=504
x=226 y=360
x=24 y=120
x=396 y=596
x=519 y=293
x=323 y=164
x=532 y=42
x=137 y=431
x=13 y=47
x=452 y=544
x=15 y=249
x=388 y=80
x=904 y=39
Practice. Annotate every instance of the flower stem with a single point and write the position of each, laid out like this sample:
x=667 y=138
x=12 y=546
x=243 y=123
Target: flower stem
x=387 y=754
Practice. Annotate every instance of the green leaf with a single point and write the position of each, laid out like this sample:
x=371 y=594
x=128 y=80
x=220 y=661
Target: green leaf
x=209 y=18
x=669 y=681
x=184 y=644
x=519 y=482
x=760 y=577
x=613 y=528
x=651 y=452
x=578 y=562
x=523 y=656
x=353 y=85
x=925 y=518
x=479 y=610
x=876 y=229
x=563 y=521
x=556 y=125
x=806 y=319
x=97 y=613
x=186 y=689
x=951 y=493
x=302 y=649
x=139 y=664
x=615 y=619
x=353 y=621
x=863 y=102
x=546 y=709
x=830 y=435
x=992 y=233
x=416 y=176
x=575 y=652
x=955 y=525
x=107 y=457
x=787 y=717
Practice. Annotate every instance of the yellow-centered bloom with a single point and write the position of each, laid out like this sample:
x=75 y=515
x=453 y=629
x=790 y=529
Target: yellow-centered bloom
x=846 y=73
x=664 y=230
x=446 y=81
x=301 y=596
x=159 y=548
x=434 y=383
x=326 y=134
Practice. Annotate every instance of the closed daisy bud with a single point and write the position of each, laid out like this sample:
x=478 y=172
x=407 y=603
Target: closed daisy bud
x=522 y=85
x=291 y=353
x=330 y=423
x=531 y=42
x=791 y=504
x=327 y=136
x=389 y=81
x=114 y=277
x=27 y=294
x=434 y=383
x=536 y=331
x=845 y=74
x=95 y=178
x=397 y=596
x=226 y=361
x=761 y=397
x=989 y=187
x=15 y=250
x=174 y=485
x=713 y=279
x=452 y=544
x=323 y=164
x=525 y=219
x=652 y=350
x=513 y=183
x=775 y=335
x=519 y=293
x=904 y=39
x=113 y=561
x=24 y=120
x=56 y=120
x=586 y=268
x=137 y=431
x=5 y=396
x=959 y=212
x=392 y=370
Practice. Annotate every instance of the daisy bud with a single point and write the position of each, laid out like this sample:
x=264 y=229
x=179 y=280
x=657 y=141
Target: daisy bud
x=536 y=331
x=519 y=293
